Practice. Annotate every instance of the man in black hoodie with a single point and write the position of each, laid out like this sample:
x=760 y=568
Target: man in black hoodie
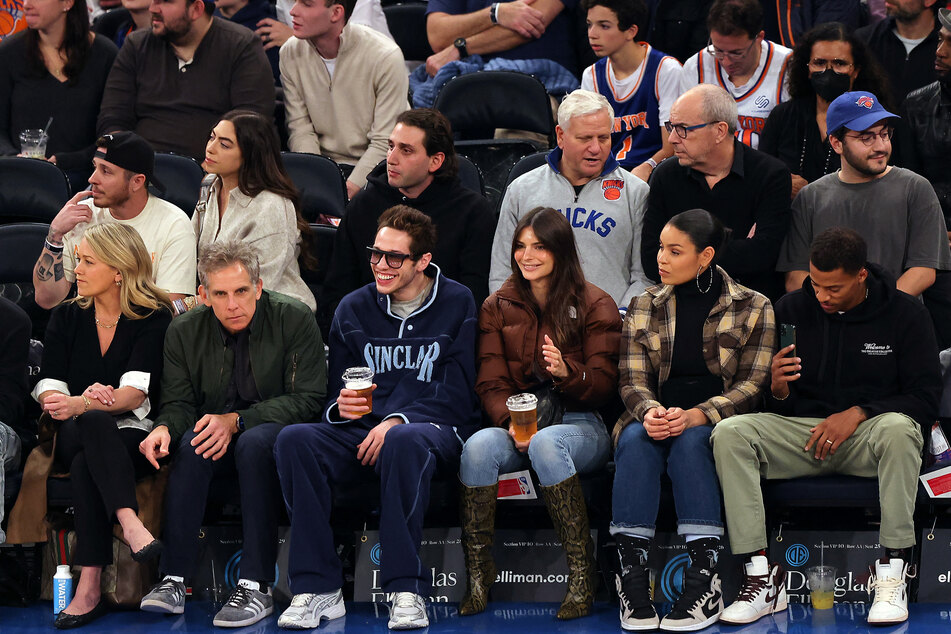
x=421 y=170
x=856 y=399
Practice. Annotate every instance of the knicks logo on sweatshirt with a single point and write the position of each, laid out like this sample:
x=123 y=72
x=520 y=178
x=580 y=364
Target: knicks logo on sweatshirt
x=612 y=189
x=382 y=359
x=596 y=221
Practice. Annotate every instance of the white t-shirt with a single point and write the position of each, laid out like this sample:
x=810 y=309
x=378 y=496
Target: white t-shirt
x=765 y=89
x=667 y=85
x=167 y=233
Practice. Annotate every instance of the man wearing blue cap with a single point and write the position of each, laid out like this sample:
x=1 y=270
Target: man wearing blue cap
x=895 y=210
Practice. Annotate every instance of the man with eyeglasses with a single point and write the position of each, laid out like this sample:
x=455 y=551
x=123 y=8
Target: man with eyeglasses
x=415 y=330
x=895 y=210
x=747 y=190
x=740 y=59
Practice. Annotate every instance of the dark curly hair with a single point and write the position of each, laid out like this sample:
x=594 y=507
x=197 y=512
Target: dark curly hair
x=871 y=77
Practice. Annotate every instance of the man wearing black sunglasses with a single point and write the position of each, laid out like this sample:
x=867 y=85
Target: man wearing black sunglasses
x=415 y=329
x=895 y=210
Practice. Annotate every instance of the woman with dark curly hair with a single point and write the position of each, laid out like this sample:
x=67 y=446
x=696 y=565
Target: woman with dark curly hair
x=827 y=62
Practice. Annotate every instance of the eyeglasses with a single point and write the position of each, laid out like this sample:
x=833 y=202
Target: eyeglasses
x=733 y=56
x=393 y=260
x=838 y=65
x=868 y=138
x=682 y=129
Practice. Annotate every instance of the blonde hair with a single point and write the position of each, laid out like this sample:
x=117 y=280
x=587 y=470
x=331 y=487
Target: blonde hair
x=121 y=247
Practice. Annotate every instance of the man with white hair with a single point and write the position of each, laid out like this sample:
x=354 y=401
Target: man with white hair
x=748 y=190
x=603 y=202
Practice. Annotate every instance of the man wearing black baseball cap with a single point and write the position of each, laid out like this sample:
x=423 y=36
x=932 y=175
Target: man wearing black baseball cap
x=124 y=164
x=893 y=209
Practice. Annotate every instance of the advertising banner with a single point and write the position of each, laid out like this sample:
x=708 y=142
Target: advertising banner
x=851 y=552
x=934 y=575
x=668 y=559
x=219 y=563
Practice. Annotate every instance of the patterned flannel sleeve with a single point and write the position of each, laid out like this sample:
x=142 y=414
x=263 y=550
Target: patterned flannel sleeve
x=638 y=376
x=752 y=373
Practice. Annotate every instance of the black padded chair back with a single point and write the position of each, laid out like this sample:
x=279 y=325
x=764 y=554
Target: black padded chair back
x=407 y=24
x=323 y=189
x=495 y=159
x=20 y=246
x=109 y=22
x=181 y=176
x=478 y=103
x=470 y=175
x=31 y=190
x=525 y=165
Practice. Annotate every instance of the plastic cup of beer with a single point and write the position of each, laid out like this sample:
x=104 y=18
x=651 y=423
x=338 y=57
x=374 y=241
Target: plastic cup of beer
x=361 y=381
x=822 y=586
x=33 y=143
x=523 y=408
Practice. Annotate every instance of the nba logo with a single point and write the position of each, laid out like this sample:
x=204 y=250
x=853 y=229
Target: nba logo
x=523 y=485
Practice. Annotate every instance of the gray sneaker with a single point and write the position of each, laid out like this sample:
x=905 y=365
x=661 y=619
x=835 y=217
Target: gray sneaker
x=408 y=612
x=245 y=606
x=167 y=597
x=306 y=610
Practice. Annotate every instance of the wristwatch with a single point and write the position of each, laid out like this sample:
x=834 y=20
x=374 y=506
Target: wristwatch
x=460 y=45
x=239 y=423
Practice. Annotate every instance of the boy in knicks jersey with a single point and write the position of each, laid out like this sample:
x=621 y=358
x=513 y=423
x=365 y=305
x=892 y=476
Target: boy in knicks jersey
x=639 y=82
x=743 y=62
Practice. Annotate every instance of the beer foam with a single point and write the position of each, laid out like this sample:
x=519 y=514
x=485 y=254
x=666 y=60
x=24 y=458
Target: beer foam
x=359 y=384
x=522 y=402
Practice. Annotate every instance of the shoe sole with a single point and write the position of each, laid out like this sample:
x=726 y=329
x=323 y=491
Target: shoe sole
x=888 y=621
x=409 y=625
x=642 y=627
x=330 y=614
x=161 y=608
x=248 y=621
x=769 y=610
x=692 y=627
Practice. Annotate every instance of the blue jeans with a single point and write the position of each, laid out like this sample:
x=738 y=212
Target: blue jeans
x=578 y=445
x=9 y=456
x=688 y=460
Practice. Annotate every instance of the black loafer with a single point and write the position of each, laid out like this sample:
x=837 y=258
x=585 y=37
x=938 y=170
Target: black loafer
x=69 y=621
x=152 y=550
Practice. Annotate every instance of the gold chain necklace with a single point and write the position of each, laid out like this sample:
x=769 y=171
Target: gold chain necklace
x=106 y=326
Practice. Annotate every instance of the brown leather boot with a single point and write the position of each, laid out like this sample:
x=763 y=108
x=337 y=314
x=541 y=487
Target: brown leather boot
x=569 y=514
x=478 y=532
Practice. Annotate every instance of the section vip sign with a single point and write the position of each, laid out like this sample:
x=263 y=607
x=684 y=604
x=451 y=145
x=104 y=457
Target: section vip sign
x=531 y=566
x=852 y=553
x=221 y=549
x=934 y=575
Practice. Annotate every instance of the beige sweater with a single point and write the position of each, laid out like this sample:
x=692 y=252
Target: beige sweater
x=348 y=118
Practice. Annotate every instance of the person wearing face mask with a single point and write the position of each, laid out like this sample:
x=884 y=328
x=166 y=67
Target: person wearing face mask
x=827 y=62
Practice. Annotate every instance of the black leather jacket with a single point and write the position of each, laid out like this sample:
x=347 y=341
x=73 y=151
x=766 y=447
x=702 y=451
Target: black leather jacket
x=927 y=111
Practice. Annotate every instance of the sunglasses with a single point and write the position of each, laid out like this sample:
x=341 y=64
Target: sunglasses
x=393 y=260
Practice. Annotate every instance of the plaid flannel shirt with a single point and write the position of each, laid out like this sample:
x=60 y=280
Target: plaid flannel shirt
x=742 y=327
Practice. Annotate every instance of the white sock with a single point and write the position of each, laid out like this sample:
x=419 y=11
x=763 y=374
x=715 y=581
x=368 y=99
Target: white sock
x=250 y=585
x=174 y=578
x=690 y=538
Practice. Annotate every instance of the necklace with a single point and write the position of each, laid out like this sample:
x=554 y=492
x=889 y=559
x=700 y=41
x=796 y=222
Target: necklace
x=107 y=326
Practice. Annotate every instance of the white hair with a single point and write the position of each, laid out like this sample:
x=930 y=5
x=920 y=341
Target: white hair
x=716 y=104
x=580 y=103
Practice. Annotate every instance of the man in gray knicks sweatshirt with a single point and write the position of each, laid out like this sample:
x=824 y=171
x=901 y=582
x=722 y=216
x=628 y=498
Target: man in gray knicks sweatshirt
x=603 y=202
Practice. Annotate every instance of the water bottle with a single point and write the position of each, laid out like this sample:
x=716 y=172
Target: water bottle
x=939 y=451
x=62 y=588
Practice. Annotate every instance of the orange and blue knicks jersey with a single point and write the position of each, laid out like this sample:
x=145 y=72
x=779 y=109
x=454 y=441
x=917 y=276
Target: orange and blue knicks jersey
x=756 y=99
x=636 y=135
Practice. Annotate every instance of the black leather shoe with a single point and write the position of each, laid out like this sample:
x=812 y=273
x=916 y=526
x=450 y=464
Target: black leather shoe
x=152 y=550
x=69 y=621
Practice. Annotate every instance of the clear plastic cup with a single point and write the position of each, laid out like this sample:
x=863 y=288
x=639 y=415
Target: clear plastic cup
x=524 y=411
x=33 y=143
x=822 y=586
x=361 y=381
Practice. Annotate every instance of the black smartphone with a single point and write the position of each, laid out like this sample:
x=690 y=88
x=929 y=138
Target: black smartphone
x=787 y=335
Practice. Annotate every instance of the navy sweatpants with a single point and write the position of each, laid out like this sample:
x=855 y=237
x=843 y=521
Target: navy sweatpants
x=311 y=458
x=251 y=455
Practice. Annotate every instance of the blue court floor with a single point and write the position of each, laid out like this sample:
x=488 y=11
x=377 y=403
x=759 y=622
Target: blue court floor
x=500 y=618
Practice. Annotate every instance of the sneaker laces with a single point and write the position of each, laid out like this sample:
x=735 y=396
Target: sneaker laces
x=886 y=589
x=240 y=597
x=633 y=589
x=302 y=600
x=752 y=586
x=696 y=587
x=405 y=600
x=166 y=585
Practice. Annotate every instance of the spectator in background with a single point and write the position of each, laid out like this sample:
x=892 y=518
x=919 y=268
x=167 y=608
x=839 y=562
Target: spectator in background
x=828 y=61
x=124 y=163
x=639 y=82
x=139 y=18
x=785 y=21
x=905 y=44
x=422 y=171
x=739 y=59
x=55 y=68
x=747 y=190
x=249 y=13
x=350 y=122
x=893 y=209
x=172 y=83
x=547 y=329
x=604 y=202
x=14 y=346
x=540 y=29
x=274 y=32
x=253 y=200
x=679 y=379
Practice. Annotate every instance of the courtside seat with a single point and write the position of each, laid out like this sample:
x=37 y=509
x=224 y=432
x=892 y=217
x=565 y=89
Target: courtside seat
x=181 y=176
x=322 y=187
x=31 y=190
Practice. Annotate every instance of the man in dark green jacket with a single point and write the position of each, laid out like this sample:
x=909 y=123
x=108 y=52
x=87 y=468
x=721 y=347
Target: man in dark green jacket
x=237 y=370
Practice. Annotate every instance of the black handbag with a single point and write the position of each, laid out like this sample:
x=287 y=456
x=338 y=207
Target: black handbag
x=549 y=410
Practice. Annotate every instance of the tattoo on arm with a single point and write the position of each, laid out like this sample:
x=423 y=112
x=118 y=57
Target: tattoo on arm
x=58 y=268
x=50 y=267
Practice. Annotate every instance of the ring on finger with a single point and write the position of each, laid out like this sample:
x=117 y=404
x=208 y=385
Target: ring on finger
x=829 y=441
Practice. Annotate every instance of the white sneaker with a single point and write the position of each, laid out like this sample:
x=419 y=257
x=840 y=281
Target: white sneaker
x=408 y=612
x=763 y=592
x=890 y=604
x=306 y=610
